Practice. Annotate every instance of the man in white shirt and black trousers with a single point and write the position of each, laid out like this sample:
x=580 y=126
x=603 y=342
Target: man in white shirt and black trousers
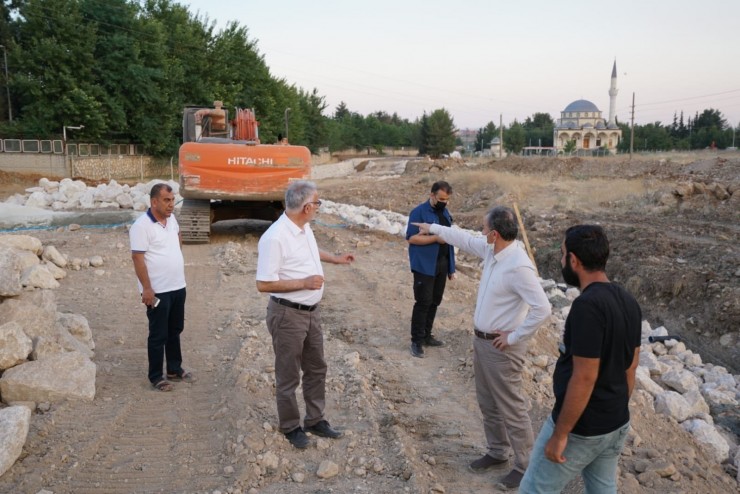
x=511 y=305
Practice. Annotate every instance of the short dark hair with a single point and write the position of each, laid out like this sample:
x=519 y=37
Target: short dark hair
x=441 y=185
x=503 y=220
x=589 y=244
x=157 y=189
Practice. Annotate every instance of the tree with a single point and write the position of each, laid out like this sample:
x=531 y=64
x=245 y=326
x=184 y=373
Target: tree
x=440 y=134
x=538 y=130
x=514 y=138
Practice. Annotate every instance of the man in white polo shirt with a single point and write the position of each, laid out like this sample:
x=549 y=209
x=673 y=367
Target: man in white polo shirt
x=160 y=269
x=289 y=269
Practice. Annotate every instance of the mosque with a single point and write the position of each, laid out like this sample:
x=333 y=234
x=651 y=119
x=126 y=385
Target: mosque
x=581 y=121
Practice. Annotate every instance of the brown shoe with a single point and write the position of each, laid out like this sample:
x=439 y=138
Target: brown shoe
x=511 y=481
x=485 y=463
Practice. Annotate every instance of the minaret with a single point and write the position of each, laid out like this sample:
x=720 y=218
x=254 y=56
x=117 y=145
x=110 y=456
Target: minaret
x=613 y=97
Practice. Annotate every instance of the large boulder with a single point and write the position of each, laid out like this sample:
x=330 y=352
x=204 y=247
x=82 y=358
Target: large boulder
x=23 y=242
x=10 y=272
x=39 y=276
x=674 y=405
x=14 y=423
x=35 y=311
x=710 y=440
x=59 y=377
x=682 y=381
x=15 y=345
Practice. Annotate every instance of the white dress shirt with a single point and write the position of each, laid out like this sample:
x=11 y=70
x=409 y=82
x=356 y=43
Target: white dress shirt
x=285 y=252
x=510 y=297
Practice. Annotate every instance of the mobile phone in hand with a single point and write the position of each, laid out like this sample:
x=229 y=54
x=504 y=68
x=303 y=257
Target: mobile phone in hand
x=155 y=303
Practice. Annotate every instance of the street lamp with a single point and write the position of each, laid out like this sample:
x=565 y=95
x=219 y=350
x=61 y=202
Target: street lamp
x=286 y=123
x=7 y=87
x=64 y=133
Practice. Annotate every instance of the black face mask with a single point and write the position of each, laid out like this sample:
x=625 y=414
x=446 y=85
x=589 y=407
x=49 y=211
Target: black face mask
x=440 y=206
x=569 y=276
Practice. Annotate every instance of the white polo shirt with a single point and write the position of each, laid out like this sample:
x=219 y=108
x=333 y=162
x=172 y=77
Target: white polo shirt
x=162 y=253
x=285 y=252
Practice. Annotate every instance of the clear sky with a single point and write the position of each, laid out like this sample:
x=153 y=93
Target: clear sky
x=482 y=58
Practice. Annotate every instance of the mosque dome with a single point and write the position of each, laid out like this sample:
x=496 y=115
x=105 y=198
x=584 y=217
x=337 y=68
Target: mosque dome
x=581 y=105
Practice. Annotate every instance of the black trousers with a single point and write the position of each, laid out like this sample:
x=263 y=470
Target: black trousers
x=166 y=322
x=428 y=291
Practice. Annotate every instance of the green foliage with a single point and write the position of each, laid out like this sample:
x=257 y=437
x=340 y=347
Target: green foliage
x=484 y=136
x=440 y=135
x=538 y=130
x=570 y=146
x=514 y=138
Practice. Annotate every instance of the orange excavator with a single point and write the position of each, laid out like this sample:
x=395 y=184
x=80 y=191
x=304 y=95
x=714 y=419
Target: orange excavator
x=226 y=173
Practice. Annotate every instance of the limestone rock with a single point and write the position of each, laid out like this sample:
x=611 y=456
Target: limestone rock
x=59 y=377
x=96 y=261
x=672 y=404
x=681 y=380
x=36 y=312
x=27 y=259
x=44 y=347
x=77 y=326
x=22 y=242
x=327 y=469
x=39 y=277
x=14 y=423
x=643 y=381
x=51 y=253
x=15 y=346
x=10 y=272
x=57 y=272
x=709 y=439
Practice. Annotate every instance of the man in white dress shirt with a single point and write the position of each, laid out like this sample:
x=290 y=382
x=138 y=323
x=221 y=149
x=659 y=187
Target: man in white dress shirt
x=289 y=269
x=511 y=305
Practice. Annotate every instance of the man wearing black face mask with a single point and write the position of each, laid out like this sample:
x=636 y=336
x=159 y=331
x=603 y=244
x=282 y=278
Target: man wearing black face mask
x=432 y=262
x=594 y=376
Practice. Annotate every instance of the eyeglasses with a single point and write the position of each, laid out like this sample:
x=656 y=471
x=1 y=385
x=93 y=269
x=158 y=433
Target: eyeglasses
x=318 y=203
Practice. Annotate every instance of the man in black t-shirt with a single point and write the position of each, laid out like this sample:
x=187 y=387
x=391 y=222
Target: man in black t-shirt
x=594 y=376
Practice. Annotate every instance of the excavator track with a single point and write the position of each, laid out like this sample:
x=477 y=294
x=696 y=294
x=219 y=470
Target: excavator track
x=195 y=221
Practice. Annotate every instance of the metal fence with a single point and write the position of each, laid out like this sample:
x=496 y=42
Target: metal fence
x=56 y=146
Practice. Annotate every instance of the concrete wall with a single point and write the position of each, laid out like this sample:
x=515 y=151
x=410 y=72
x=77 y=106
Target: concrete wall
x=48 y=165
x=91 y=167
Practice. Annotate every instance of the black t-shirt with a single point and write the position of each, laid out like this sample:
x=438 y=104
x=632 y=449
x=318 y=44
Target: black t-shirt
x=604 y=322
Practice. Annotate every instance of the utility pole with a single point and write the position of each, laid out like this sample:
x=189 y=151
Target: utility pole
x=286 y=123
x=7 y=86
x=632 y=126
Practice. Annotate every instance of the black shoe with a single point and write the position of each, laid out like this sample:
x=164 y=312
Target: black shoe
x=323 y=429
x=511 y=481
x=297 y=438
x=417 y=350
x=485 y=463
x=432 y=341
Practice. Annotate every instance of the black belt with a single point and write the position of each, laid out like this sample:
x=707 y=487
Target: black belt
x=485 y=336
x=293 y=305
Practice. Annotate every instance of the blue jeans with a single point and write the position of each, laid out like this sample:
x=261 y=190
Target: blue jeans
x=594 y=457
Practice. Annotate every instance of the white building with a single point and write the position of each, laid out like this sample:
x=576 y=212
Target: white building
x=581 y=121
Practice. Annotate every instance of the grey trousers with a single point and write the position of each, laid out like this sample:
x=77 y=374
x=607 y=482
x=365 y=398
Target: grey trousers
x=299 y=346
x=498 y=386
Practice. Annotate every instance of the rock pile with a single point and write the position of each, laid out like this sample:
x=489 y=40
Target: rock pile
x=68 y=194
x=45 y=355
